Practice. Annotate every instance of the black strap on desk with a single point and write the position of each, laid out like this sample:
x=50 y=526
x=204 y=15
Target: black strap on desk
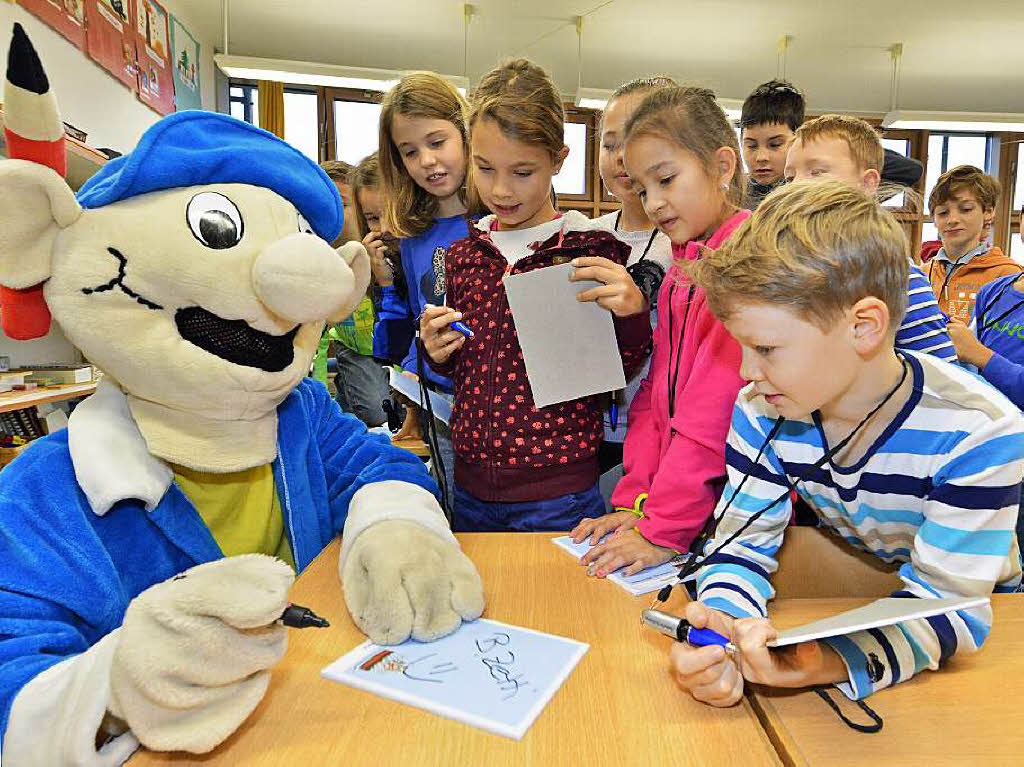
x=822 y=693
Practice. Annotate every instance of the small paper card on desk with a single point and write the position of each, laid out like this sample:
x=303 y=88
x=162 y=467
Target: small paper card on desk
x=569 y=347
x=487 y=674
x=881 y=612
x=644 y=582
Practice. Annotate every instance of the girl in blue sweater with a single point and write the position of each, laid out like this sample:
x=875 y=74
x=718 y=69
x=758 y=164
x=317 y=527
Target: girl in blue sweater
x=422 y=152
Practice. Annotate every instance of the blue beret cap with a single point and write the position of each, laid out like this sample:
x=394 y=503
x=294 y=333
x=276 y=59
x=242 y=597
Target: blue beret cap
x=195 y=148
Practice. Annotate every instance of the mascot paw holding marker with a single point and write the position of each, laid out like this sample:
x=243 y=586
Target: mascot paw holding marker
x=195 y=651
x=403 y=580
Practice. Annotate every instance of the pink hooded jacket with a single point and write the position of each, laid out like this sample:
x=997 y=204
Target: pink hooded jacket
x=674 y=453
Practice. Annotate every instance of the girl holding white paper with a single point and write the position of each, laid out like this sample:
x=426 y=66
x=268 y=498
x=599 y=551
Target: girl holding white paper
x=683 y=159
x=518 y=467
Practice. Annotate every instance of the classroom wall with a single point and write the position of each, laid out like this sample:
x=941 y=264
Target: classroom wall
x=89 y=97
x=92 y=100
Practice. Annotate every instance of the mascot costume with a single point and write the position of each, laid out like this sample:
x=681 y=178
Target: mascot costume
x=146 y=551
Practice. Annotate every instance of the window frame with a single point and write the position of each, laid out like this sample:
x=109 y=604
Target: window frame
x=248 y=87
x=585 y=201
x=325 y=113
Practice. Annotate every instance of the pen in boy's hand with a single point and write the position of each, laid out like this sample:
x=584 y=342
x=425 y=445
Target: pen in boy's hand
x=681 y=631
x=299 y=617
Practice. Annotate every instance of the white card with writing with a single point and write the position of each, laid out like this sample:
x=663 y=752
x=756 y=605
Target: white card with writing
x=487 y=674
x=569 y=346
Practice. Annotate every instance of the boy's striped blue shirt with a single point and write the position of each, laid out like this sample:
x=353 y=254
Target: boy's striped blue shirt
x=938 y=492
x=924 y=327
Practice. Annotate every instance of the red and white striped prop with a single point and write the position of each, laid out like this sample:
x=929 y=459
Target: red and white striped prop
x=34 y=132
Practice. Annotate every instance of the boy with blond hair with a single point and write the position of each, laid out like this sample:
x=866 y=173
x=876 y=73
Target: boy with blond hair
x=903 y=456
x=847 y=148
x=963 y=204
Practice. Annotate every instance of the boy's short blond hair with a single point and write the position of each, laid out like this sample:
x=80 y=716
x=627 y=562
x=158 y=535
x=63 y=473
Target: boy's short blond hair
x=815 y=248
x=985 y=188
x=865 y=146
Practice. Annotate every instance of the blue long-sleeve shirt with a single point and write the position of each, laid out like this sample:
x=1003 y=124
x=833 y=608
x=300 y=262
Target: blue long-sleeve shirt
x=999 y=325
x=423 y=265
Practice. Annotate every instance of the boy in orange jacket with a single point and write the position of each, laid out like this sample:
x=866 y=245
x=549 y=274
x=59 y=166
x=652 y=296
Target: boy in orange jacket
x=963 y=204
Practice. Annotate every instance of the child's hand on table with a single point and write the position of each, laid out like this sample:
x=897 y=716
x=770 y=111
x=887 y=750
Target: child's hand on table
x=439 y=340
x=598 y=527
x=627 y=549
x=619 y=294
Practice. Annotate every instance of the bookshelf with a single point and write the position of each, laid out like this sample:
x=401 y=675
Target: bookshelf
x=83 y=160
x=17 y=400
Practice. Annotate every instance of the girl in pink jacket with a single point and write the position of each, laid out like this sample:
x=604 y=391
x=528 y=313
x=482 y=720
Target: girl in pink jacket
x=682 y=156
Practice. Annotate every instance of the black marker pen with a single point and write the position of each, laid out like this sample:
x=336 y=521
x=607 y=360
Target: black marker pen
x=299 y=617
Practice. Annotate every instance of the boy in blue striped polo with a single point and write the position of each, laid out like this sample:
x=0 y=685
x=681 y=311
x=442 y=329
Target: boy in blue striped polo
x=847 y=148
x=899 y=453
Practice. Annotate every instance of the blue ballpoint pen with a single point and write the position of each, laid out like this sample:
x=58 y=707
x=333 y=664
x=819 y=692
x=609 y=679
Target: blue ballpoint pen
x=461 y=327
x=681 y=631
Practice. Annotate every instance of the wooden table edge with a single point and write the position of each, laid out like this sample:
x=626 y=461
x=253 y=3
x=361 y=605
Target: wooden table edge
x=775 y=730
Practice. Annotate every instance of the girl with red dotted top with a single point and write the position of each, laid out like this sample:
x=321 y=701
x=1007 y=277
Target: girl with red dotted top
x=519 y=467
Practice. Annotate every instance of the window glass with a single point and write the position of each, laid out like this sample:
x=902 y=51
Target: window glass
x=947 y=151
x=573 y=178
x=900 y=146
x=1018 y=194
x=355 y=130
x=300 y=123
x=1016 y=248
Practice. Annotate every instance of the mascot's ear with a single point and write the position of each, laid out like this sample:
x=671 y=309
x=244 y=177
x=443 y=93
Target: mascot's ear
x=35 y=205
x=354 y=254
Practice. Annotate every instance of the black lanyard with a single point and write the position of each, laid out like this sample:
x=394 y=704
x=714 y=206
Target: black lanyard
x=650 y=242
x=712 y=524
x=673 y=380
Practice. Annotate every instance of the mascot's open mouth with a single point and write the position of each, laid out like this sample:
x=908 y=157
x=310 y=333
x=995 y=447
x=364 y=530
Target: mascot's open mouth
x=235 y=341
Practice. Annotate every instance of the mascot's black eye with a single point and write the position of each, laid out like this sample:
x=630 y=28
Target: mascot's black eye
x=214 y=220
x=304 y=226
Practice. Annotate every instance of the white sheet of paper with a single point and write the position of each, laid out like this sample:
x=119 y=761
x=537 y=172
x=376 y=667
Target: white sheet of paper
x=569 y=347
x=883 y=612
x=405 y=384
x=487 y=674
x=644 y=582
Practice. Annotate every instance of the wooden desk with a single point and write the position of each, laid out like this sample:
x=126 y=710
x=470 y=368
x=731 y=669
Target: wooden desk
x=16 y=400
x=968 y=712
x=618 y=707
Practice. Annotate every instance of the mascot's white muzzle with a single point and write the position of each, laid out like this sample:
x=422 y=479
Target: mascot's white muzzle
x=302 y=279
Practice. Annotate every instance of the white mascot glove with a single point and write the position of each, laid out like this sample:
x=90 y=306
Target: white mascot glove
x=194 y=652
x=401 y=579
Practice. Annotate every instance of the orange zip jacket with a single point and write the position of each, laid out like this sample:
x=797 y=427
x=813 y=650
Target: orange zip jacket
x=956 y=294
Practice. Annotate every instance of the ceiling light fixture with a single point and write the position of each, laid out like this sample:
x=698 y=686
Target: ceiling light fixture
x=313 y=73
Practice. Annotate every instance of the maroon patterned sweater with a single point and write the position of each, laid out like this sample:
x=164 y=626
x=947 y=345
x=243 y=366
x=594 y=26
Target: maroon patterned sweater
x=506 y=449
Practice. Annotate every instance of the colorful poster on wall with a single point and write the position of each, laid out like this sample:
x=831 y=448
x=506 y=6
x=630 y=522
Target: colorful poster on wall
x=153 y=56
x=185 y=67
x=65 y=16
x=110 y=38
